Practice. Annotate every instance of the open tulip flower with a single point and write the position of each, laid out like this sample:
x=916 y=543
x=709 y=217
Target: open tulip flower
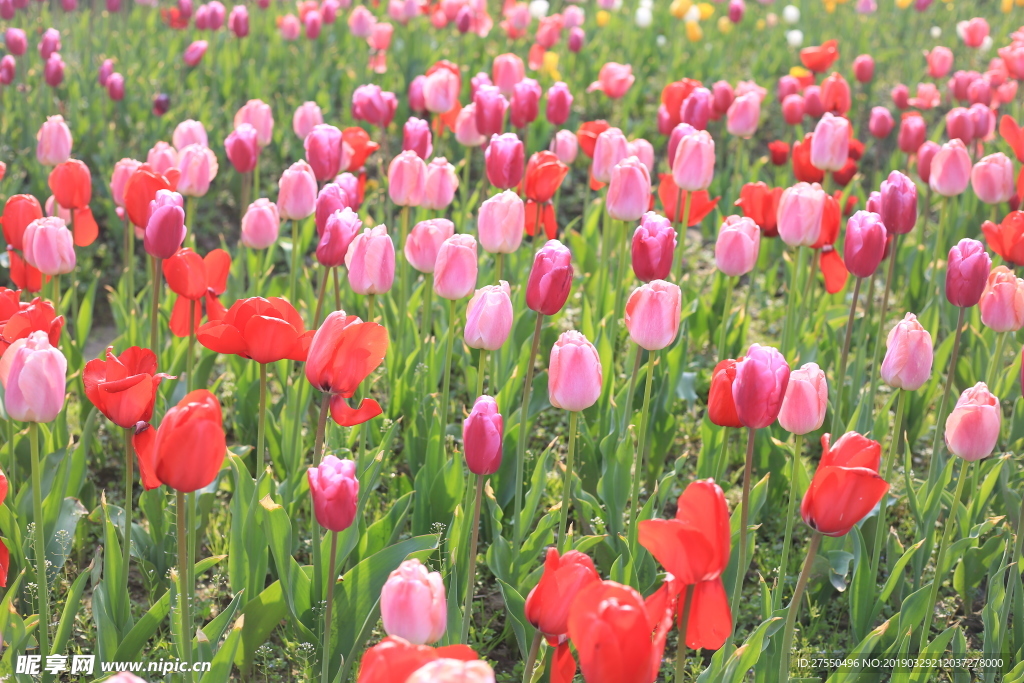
x=197 y=281
x=265 y=330
x=22 y=319
x=123 y=387
x=544 y=175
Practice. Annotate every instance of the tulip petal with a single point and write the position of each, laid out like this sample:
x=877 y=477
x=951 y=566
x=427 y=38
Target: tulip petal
x=179 y=317
x=218 y=265
x=710 y=618
x=142 y=443
x=222 y=338
x=350 y=417
x=563 y=666
x=85 y=228
x=834 y=270
x=840 y=497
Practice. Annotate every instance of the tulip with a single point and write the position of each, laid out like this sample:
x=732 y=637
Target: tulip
x=559 y=104
x=407 y=178
x=198 y=166
x=806 y=400
x=900 y=96
x=574 y=373
x=296 y=198
x=548 y=603
x=115 y=87
x=912 y=133
x=238 y=21
x=453 y=671
x=242 y=148
x=395 y=659
x=550 y=279
x=940 y=61
x=123 y=387
x=49 y=246
x=361 y=21
x=189 y=132
x=441 y=183
x=123 y=169
x=505 y=160
x=425 y=241
x=53 y=142
x=737 y=247
x=257 y=114
x=760 y=386
x=15 y=41
x=340 y=229
x=864 y=68
x=693 y=166
x=925 y=156
x=260 y=224
x=490 y=108
x=333 y=197
x=865 y=243
x=335 y=491
x=194 y=53
x=481 y=436
x=500 y=223
x=743 y=115
x=950 y=169
x=653 y=245
x=846 y=485
x=576 y=38
x=696 y=108
x=610 y=148
x=992 y=179
x=165 y=229
x=413 y=605
x=908 y=356
x=265 y=330
x=455 y=270
x=614 y=80
x=1002 y=301
x=35 y=381
x=830 y=143
x=507 y=70
x=325 y=151
x=416 y=137
x=629 y=190
x=370 y=261
x=441 y=91
x=793 y=109
x=466 y=132
x=8 y=69
x=1005 y=239
x=881 y=123
x=800 y=214
x=306 y=117
x=49 y=43
x=967 y=272
x=652 y=314
x=972 y=429
x=974 y=32
x=723 y=95
x=525 y=102
x=161 y=158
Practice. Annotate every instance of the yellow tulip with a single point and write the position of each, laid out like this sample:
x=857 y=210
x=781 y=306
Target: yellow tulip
x=799 y=72
x=904 y=4
x=679 y=8
x=724 y=25
x=550 y=66
x=707 y=10
x=760 y=25
x=1006 y=7
x=603 y=18
x=693 y=31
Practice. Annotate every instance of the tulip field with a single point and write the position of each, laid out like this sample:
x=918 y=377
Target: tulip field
x=466 y=341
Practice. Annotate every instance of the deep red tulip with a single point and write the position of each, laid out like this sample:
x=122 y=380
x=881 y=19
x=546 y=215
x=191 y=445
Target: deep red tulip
x=819 y=58
x=761 y=204
x=342 y=354
x=19 y=211
x=779 y=151
x=265 y=330
x=123 y=387
x=36 y=316
x=198 y=279
x=1007 y=238
x=396 y=659
x=846 y=485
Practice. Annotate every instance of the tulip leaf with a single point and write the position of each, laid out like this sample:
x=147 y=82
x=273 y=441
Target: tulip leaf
x=220 y=664
x=515 y=607
x=746 y=655
x=262 y=614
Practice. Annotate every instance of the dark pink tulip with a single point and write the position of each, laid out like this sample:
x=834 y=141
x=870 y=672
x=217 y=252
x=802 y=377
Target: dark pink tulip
x=736 y=10
x=490 y=107
x=505 y=160
x=984 y=120
x=760 y=385
x=14 y=39
x=507 y=70
x=478 y=81
x=7 y=70
x=53 y=72
x=165 y=229
x=813 y=106
x=959 y=125
x=332 y=198
x=185 y=9
x=360 y=22
x=243 y=148
x=793 y=109
x=203 y=18
x=863 y=68
x=654 y=244
x=865 y=243
x=349 y=183
x=967 y=272
x=373 y=105
x=416 y=137
x=7 y=10
x=312 y=23
x=106 y=68
x=696 y=108
x=238 y=21
x=559 y=104
x=912 y=134
x=217 y=14
x=899 y=203
x=525 y=102
x=925 y=154
x=576 y=38
x=340 y=228
x=329 y=11
x=482 y=433
x=325 y=151
x=417 y=104
x=787 y=85
x=722 y=97
x=980 y=92
x=113 y=6
x=881 y=123
x=194 y=52
x=49 y=43
x=900 y=96
x=334 y=487
x=550 y=279
x=115 y=87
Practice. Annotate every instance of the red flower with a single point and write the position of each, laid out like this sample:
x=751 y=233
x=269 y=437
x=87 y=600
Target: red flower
x=833 y=268
x=71 y=184
x=721 y=406
x=1007 y=238
x=361 y=144
x=548 y=604
x=820 y=58
x=760 y=203
x=139 y=190
x=395 y=659
x=123 y=387
x=10 y=303
x=544 y=175
x=587 y=135
x=265 y=330
x=835 y=94
x=673 y=95
x=23 y=275
x=1013 y=134
x=19 y=211
x=779 y=151
x=37 y=316
x=846 y=486
x=174 y=18
x=701 y=203
x=844 y=175
x=803 y=169
x=195 y=278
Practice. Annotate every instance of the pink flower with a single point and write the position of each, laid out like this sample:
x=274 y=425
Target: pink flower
x=803 y=408
x=501 y=222
x=335 y=491
x=407 y=179
x=972 y=429
x=950 y=169
x=482 y=432
x=260 y=224
x=370 y=260
x=574 y=373
x=652 y=314
x=489 y=317
x=49 y=246
x=194 y=52
x=629 y=190
x=455 y=270
x=413 y=605
x=425 y=240
x=739 y=240
x=36 y=381
x=762 y=378
x=1002 y=301
x=908 y=355
x=441 y=184
x=296 y=197
x=614 y=80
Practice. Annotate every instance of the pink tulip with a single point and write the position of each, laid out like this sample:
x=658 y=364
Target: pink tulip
x=507 y=70
x=974 y=32
x=501 y=222
x=36 y=381
x=370 y=261
x=289 y=27
x=466 y=132
x=424 y=242
x=644 y=151
x=333 y=197
x=576 y=38
x=950 y=169
x=441 y=91
x=326 y=153
x=194 y=52
x=565 y=146
x=550 y=279
x=925 y=156
x=865 y=243
x=441 y=183
x=940 y=61
x=15 y=41
x=162 y=157
x=614 y=80
x=574 y=373
x=306 y=117
x=340 y=230
x=8 y=69
x=654 y=244
x=476 y=82
x=960 y=125
x=743 y=115
x=413 y=604
x=453 y=671
x=260 y=224
x=899 y=203
x=864 y=68
x=787 y=85
x=103 y=75
x=610 y=148
x=722 y=96
x=360 y=22
x=334 y=487
x=739 y=240
x=1002 y=301
x=242 y=147
x=455 y=270
x=416 y=137
x=49 y=246
x=967 y=270
x=652 y=314
x=629 y=192
x=490 y=110
x=900 y=95
x=908 y=355
x=165 y=229
x=696 y=108
x=53 y=141
x=123 y=170
x=238 y=21
x=799 y=215
x=984 y=121
x=806 y=400
x=49 y=44
x=830 y=145
x=407 y=179
x=198 y=165
x=972 y=429
x=881 y=123
x=189 y=132
x=296 y=196
x=380 y=38
x=759 y=387
x=525 y=102
x=115 y=87
x=505 y=160
x=313 y=23
x=482 y=432
x=489 y=317
x=257 y=114
x=559 y=104
x=693 y=167
x=912 y=134
x=992 y=179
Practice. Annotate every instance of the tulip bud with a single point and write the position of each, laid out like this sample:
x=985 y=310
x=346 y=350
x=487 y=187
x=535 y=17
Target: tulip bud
x=489 y=319
x=830 y=144
x=296 y=197
x=559 y=104
x=565 y=146
x=972 y=429
x=260 y=224
x=455 y=270
x=793 y=109
x=696 y=108
x=53 y=142
x=1002 y=301
x=864 y=68
x=35 y=381
x=653 y=246
x=721 y=406
x=550 y=279
x=306 y=117
x=967 y=272
x=739 y=240
x=370 y=261
x=507 y=70
x=629 y=190
x=490 y=108
x=800 y=212
x=574 y=373
x=49 y=246
x=652 y=314
x=881 y=123
x=925 y=155
x=482 y=432
x=865 y=243
x=198 y=166
x=165 y=229
x=441 y=183
x=505 y=160
x=803 y=408
x=335 y=491
x=899 y=203
x=912 y=133
x=760 y=386
x=743 y=115
x=908 y=355
x=525 y=102
x=413 y=605
x=325 y=151
x=424 y=242
x=950 y=169
x=407 y=179
x=340 y=229
x=900 y=95
x=610 y=148
x=992 y=179
x=501 y=222
x=417 y=138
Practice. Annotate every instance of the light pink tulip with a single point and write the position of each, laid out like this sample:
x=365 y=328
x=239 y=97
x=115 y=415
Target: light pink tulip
x=49 y=246
x=296 y=196
x=425 y=240
x=574 y=373
x=371 y=261
x=489 y=317
x=972 y=429
x=501 y=222
x=36 y=381
x=799 y=216
x=908 y=355
x=739 y=241
x=803 y=408
x=652 y=314
x=455 y=270
x=260 y=224
x=413 y=605
x=440 y=186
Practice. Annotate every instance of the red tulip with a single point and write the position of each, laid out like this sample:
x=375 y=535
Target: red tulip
x=19 y=211
x=71 y=184
x=361 y=144
x=548 y=604
x=139 y=190
x=396 y=659
x=779 y=151
x=36 y=316
x=803 y=169
x=24 y=275
x=342 y=354
x=846 y=485
x=721 y=406
x=194 y=278
x=820 y=58
x=587 y=135
x=5 y=563
x=265 y=330
x=1007 y=238
x=761 y=204
x=701 y=203
x=123 y=387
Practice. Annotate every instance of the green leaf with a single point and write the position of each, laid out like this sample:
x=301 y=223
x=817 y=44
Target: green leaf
x=515 y=606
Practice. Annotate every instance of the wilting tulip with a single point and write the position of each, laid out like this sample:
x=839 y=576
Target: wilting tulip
x=908 y=356
x=455 y=270
x=830 y=143
x=49 y=246
x=505 y=160
x=441 y=183
x=425 y=241
x=972 y=429
x=413 y=605
x=257 y=114
x=260 y=224
x=803 y=408
x=736 y=249
x=881 y=123
x=950 y=169
x=500 y=223
x=35 y=381
x=123 y=387
x=760 y=385
x=482 y=432
x=559 y=104
x=992 y=179
x=629 y=190
x=550 y=279
x=242 y=148
x=967 y=272
x=652 y=314
x=1002 y=301
x=846 y=485
x=53 y=141
x=296 y=197
x=693 y=166
x=416 y=137
x=743 y=115
x=188 y=449
x=574 y=373
x=407 y=178
x=325 y=151
x=335 y=491
x=198 y=165
x=548 y=604
x=165 y=229
x=652 y=249
x=370 y=261
x=865 y=243
x=800 y=213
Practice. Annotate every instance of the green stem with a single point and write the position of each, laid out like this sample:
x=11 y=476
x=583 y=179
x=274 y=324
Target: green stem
x=40 y=544
x=723 y=457
x=937 y=459
x=840 y=377
x=789 y=327
x=129 y=480
x=787 y=542
x=741 y=566
x=531 y=659
x=428 y=310
x=524 y=411
x=293 y=287
x=567 y=485
x=794 y=607
x=183 y=573
x=321 y=428
x=638 y=461
x=320 y=296
x=403 y=266
x=880 y=337
x=627 y=407
x=684 y=627
x=447 y=370
x=996 y=362
x=933 y=595
x=682 y=219
x=370 y=301
x=723 y=333
x=129 y=263
x=471 y=574
x=154 y=311
x=261 y=422
x=480 y=373
x=331 y=579
x=190 y=358
x=337 y=288
x=499 y=266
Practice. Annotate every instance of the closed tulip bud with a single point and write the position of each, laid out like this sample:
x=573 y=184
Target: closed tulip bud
x=984 y=121
x=413 y=605
x=559 y=104
x=424 y=242
x=416 y=137
x=787 y=85
x=313 y=23
x=574 y=373
x=198 y=166
x=693 y=166
x=721 y=406
x=162 y=157
x=793 y=109
x=53 y=142
x=340 y=228
x=333 y=197
x=441 y=91
x=325 y=151
x=547 y=605
x=864 y=68
x=629 y=192
x=925 y=156
x=739 y=240
x=489 y=320
x=455 y=270
x=407 y=179
x=959 y=125
x=505 y=160
x=165 y=229
x=507 y=70
x=296 y=196
x=525 y=102
x=122 y=171
x=743 y=115
x=238 y=21
x=653 y=246
x=260 y=224
x=14 y=39
x=1002 y=301
x=482 y=432
x=830 y=144
x=242 y=148
x=306 y=117
x=865 y=243
x=881 y=123
x=441 y=183
x=908 y=355
x=550 y=279
x=611 y=148
x=992 y=179
x=912 y=133
x=980 y=92
x=370 y=260
x=950 y=169
x=760 y=385
x=35 y=381
x=723 y=96
x=50 y=43
x=49 y=246
x=576 y=37
x=490 y=110
x=899 y=203
x=466 y=133
x=8 y=69
x=194 y=53
x=652 y=314
x=940 y=61
x=189 y=132
x=800 y=212
x=972 y=429
x=335 y=491
x=974 y=31
x=565 y=146
x=846 y=485
x=803 y=408
x=501 y=222
x=900 y=95
x=967 y=271
x=257 y=114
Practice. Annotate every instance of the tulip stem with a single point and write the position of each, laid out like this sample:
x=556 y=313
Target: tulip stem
x=403 y=265
x=994 y=364
x=794 y=606
x=129 y=478
x=524 y=413
x=471 y=575
x=331 y=580
x=370 y=301
x=480 y=373
x=183 y=574
x=840 y=377
x=337 y=288
x=154 y=311
x=40 y=544
x=943 y=547
x=190 y=358
x=790 y=324
x=563 y=520
x=321 y=428
x=741 y=566
x=880 y=338
x=638 y=460
x=445 y=394
x=261 y=421
x=724 y=331
x=294 y=275
x=787 y=542
x=499 y=263
x=684 y=626
x=427 y=321
x=531 y=659
x=320 y=296
x=129 y=263
x=890 y=457
x=682 y=219
x=940 y=416
x=627 y=407
x=723 y=457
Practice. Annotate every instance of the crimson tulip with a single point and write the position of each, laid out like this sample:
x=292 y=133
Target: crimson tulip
x=1007 y=237
x=38 y=315
x=396 y=659
x=19 y=211
x=544 y=175
x=761 y=204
